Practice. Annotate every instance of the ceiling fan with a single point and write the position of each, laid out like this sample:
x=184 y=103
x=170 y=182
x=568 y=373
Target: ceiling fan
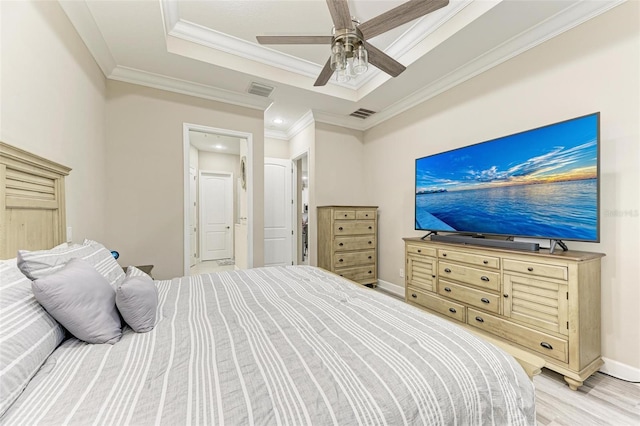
x=350 y=51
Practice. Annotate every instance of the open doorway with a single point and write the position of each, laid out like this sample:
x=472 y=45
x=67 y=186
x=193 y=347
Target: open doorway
x=217 y=200
x=301 y=216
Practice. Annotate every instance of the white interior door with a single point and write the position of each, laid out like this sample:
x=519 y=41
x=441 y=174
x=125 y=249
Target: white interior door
x=216 y=215
x=278 y=206
x=193 y=218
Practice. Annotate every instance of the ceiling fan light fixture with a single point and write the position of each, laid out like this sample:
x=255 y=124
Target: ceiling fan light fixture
x=338 y=57
x=342 y=76
x=360 y=60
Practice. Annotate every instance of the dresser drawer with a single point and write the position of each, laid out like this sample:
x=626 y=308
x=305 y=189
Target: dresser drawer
x=356 y=258
x=425 y=251
x=542 y=343
x=478 y=298
x=354 y=243
x=465 y=274
x=529 y=268
x=437 y=304
x=471 y=259
x=363 y=274
x=365 y=214
x=355 y=227
x=344 y=214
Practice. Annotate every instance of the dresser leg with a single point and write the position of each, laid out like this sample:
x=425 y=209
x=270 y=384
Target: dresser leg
x=573 y=384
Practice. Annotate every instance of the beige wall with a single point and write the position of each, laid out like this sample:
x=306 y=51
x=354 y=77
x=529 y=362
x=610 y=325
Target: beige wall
x=594 y=67
x=276 y=148
x=146 y=172
x=52 y=103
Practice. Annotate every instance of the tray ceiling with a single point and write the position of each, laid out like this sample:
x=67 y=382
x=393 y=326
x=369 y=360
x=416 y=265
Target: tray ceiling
x=208 y=49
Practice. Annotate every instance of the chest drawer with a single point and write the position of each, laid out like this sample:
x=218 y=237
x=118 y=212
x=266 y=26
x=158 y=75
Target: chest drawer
x=542 y=343
x=361 y=274
x=347 y=259
x=470 y=258
x=344 y=214
x=365 y=214
x=437 y=304
x=478 y=298
x=424 y=251
x=355 y=227
x=354 y=243
x=465 y=274
x=538 y=269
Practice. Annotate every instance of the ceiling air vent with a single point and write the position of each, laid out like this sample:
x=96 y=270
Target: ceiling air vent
x=362 y=113
x=260 y=89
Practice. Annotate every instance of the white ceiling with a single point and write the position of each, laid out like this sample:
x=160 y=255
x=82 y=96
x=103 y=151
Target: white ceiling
x=208 y=49
x=215 y=143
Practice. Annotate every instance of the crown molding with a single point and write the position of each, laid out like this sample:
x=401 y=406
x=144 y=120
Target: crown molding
x=276 y=134
x=157 y=81
x=552 y=27
x=82 y=19
x=302 y=123
x=340 y=120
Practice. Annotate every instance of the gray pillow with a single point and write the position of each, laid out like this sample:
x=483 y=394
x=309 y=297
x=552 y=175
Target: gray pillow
x=137 y=301
x=82 y=301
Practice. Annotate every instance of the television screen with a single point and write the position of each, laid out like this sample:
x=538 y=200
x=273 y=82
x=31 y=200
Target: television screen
x=541 y=183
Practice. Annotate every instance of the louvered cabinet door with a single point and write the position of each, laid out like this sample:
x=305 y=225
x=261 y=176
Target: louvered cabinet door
x=537 y=302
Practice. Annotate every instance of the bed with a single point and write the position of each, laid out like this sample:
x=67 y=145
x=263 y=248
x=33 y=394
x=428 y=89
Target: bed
x=278 y=345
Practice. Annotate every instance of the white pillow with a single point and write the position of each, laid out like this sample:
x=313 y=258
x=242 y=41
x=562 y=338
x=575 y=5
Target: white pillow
x=28 y=333
x=82 y=300
x=38 y=264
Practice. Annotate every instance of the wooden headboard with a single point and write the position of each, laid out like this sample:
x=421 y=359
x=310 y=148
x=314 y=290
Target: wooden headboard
x=32 y=204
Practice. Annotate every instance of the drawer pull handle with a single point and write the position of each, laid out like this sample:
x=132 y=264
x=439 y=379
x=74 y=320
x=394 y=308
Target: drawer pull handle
x=453 y=311
x=345 y=215
x=370 y=227
x=369 y=242
x=341 y=244
x=546 y=345
x=479 y=319
x=505 y=295
x=370 y=272
x=369 y=257
x=419 y=251
x=444 y=254
x=447 y=270
x=484 y=278
x=447 y=289
x=485 y=262
x=530 y=269
x=340 y=229
x=485 y=300
x=366 y=215
x=414 y=295
x=433 y=276
x=341 y=260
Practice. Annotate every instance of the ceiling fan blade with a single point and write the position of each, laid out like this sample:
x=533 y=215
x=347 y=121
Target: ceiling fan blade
x=340 y=14
x=399 y=15
x=383 y=61
x=325 y=74
x=294 y=39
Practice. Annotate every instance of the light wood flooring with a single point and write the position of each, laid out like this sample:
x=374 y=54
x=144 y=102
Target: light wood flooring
x=602 y=400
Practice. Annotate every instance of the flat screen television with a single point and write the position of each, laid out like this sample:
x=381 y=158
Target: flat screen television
x=542 y=183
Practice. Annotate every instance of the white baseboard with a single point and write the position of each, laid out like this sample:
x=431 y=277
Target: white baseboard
x=620 y=370
x=391 y=288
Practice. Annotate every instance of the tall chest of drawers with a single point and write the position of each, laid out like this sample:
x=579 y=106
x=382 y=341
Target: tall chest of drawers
x=347 y=242
x=546 y=304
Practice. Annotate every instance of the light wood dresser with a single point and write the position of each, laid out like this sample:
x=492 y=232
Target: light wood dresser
x=546 y=304
x=347 y=242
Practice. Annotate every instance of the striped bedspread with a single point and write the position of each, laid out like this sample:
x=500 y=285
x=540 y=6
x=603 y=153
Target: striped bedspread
x=283 y=345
